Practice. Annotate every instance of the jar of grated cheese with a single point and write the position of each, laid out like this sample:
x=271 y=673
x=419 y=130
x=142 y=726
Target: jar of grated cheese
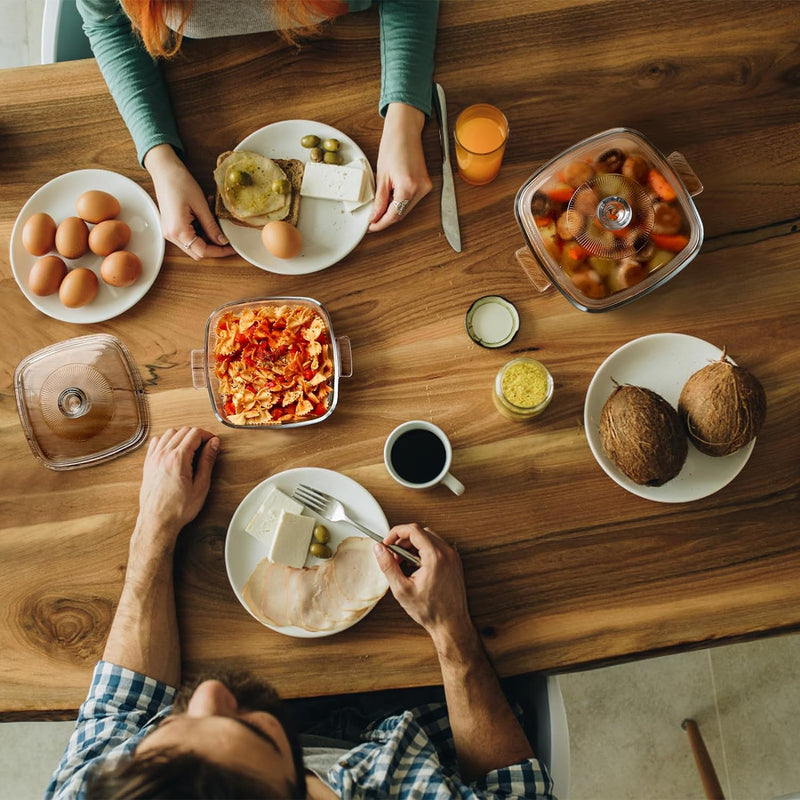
x=523 y=389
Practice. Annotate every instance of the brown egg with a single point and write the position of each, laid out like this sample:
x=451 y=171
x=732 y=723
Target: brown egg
x=96 y=206
x=282 y=239
x=39 y=234
x=46 y=275
x=72 y=237
x=78 y=288
x=121 y=268
x=108 y=236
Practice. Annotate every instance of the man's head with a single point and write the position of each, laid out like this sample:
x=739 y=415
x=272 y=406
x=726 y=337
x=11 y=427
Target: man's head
x=226 y=736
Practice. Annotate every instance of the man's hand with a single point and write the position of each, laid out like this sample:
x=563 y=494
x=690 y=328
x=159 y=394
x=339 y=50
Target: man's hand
x=175 y=481
x=486 y=733
x=434 y=596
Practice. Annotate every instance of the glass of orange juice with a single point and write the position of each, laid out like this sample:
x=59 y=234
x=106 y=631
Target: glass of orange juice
x=481 y=134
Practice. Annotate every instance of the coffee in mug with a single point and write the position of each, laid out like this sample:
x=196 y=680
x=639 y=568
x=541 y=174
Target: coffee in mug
x=417 y=454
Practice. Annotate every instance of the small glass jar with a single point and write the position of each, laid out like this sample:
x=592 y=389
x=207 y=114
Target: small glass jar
x=523 y=389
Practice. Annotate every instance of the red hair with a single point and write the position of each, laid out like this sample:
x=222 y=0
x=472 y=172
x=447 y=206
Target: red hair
x=296 y=19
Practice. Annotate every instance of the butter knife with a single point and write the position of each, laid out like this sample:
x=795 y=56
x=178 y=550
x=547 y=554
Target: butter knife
x=449 y=209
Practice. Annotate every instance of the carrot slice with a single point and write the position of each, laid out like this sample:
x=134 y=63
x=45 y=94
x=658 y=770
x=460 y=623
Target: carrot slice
x=673 y=242
x=658 y=183
x=578 y=253
x=560 y=194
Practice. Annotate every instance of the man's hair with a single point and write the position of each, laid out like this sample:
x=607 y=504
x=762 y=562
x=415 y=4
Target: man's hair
x=174 y=776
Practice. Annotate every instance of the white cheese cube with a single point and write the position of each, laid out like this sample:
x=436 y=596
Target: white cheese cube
x=367 y=190
x=333 y=182
x=264 y=522
x=291 y=540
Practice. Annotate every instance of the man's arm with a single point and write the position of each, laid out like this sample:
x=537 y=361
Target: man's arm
x=175 y=482
x=486 y=733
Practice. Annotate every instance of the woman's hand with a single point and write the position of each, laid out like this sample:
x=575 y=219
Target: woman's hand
x=182 y=202
x=402 y=179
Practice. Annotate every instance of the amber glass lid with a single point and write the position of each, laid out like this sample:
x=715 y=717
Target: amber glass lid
x=81 y=402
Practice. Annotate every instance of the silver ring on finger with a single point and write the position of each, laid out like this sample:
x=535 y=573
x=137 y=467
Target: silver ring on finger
x=189 y=244
x=399 y=207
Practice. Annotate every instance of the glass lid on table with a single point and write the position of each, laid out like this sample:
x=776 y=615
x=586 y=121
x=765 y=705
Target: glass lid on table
x=608 y=220
x=81 y=402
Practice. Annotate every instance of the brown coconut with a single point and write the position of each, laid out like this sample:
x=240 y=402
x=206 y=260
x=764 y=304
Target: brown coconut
x=723 y=407
x=643 y=435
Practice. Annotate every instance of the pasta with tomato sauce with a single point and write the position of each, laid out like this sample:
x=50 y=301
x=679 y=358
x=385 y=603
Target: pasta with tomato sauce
x=274 y=365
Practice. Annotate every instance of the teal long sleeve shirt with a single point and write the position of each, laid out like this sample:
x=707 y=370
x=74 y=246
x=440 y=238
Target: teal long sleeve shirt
x=407 y=35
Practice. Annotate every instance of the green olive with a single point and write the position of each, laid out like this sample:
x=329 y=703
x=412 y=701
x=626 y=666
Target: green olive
x=320 y=550
x=281 y=186
x=315 y=154
x=333 y=158
x=310 y=140
x=331 y=145
x=321 y=534
x=238 y=177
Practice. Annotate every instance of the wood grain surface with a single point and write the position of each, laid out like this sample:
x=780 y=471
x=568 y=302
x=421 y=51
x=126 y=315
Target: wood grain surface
x=564 y=568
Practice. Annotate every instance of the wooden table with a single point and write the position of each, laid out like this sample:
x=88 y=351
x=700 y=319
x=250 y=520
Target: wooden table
x=565 y=569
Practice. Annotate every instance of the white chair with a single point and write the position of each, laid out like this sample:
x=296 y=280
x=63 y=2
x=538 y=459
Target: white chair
x=63 y=38
x=543 y=704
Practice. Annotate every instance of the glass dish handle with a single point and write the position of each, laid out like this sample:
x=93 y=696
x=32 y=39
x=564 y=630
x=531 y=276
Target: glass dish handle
x=345 y=357
x=532 y=269
x=198 y=369
x=690 y=180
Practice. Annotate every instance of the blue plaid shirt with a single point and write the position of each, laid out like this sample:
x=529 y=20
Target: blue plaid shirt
x=409 y=755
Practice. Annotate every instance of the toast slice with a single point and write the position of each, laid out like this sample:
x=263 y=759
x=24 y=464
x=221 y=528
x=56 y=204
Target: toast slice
x=294 y=173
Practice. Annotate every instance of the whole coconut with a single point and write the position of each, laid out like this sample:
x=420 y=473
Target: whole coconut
x=643 y=435
x=723 y=407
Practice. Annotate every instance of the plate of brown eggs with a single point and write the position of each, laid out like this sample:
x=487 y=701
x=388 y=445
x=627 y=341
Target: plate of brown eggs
x=87 y=246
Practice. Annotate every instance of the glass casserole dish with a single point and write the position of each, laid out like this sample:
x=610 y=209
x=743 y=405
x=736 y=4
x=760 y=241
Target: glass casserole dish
x=271 y=362
x=608 y=220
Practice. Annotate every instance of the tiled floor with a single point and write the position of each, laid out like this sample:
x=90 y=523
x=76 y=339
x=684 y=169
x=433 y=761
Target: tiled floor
x=626 y=738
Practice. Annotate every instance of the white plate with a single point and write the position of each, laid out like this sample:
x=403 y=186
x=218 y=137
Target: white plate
x=661 y=362
x=329 y=231
x=57 y=198
x=243 y=552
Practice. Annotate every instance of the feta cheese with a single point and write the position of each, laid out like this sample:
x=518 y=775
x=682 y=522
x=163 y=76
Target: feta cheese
x=333 y=182
x=291 y=540
x=263 y=524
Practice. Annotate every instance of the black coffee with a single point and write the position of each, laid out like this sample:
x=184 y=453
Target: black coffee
x=418 y=456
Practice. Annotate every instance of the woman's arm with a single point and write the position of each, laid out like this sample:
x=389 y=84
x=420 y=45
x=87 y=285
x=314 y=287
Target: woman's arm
x=133 y=77
x=408 y=39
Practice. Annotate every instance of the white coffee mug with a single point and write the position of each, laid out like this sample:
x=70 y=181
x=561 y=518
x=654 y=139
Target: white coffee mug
x=417 y=454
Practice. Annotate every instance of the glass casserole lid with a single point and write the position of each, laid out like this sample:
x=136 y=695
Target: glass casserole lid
x=81 y=402
x=608 y=220
x=271 y=362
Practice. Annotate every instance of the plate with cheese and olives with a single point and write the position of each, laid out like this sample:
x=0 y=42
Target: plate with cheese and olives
x=296 y=572
x=311 y=179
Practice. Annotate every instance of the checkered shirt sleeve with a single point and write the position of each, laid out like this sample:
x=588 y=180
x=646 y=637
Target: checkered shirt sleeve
x=120 y=706
x=413 y=755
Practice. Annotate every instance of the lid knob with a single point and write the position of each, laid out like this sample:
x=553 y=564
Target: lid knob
x=618 y=216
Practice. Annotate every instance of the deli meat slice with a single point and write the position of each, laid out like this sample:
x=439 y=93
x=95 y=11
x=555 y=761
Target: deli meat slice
x=266 y=592
x=321 y=598
x=356 y=571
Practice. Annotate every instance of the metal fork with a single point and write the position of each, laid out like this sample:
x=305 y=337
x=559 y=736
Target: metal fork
x=333 y=510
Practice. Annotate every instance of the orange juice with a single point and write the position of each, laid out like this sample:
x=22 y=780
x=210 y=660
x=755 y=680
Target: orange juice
x=481 y=132
x=481 y=135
